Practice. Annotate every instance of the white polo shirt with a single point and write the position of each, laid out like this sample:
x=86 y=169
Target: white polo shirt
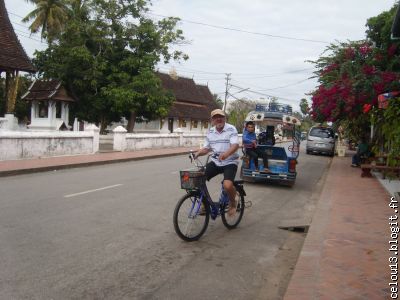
x=220 y=142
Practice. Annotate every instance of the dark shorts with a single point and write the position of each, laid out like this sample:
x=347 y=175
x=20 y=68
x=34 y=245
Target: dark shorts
x=213 y=170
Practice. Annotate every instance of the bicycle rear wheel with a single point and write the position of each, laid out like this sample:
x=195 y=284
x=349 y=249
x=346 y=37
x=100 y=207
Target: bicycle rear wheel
x=231 y=222
x=191 y=217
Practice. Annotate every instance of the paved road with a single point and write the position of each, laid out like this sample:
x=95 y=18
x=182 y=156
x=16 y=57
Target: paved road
x=106 y=232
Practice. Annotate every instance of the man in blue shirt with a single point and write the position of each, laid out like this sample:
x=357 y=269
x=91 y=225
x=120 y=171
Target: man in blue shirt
x=250 y=146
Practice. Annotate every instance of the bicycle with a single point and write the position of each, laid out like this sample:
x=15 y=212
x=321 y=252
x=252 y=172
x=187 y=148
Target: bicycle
x=193 y=211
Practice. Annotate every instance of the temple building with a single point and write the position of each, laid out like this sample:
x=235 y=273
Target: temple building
x=50 y=105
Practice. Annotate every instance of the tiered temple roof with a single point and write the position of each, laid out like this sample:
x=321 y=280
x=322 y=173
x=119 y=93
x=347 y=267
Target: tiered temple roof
x=43 y=90
x=12 y=54
x=192 y=101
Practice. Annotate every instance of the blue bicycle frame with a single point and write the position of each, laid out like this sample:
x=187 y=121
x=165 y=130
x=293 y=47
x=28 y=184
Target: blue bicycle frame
x=215 y=207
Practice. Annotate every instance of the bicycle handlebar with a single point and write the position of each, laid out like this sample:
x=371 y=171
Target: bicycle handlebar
x=195 y=160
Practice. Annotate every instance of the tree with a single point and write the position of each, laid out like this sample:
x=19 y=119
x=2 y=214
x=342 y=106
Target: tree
x=218 y=100
x=238 y=111
x=49 y=16
x=107 y=60
x=304 y=108
x=352 y=76
x=22 y=108
x=350 y=79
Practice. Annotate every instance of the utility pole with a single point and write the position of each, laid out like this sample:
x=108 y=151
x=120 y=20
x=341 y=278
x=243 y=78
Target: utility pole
x=228 y=75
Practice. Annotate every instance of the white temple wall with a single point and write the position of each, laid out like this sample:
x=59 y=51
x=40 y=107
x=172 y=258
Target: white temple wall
x=34 y=144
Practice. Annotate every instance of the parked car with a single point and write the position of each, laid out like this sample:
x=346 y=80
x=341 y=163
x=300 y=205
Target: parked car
x=321 y=140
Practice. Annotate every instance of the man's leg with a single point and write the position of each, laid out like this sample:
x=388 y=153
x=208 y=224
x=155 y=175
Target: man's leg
x=355 y=160
x=212 y=170
x=265 y=159
x=253 y=155
x=229 y=177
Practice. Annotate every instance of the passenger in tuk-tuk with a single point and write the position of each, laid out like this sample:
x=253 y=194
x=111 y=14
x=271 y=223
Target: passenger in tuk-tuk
x=250 y=146
x=267 y=137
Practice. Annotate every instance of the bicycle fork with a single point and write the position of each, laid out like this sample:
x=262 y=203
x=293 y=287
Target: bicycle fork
x=195 y=208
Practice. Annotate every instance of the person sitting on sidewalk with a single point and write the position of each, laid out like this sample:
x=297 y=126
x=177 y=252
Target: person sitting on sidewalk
x=250 y=146
x=361 y=154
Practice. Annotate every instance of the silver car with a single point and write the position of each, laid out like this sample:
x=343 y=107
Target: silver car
x=321 y=140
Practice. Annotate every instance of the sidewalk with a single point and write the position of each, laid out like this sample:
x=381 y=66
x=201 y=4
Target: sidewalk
x=16 y=167
x=346 y=251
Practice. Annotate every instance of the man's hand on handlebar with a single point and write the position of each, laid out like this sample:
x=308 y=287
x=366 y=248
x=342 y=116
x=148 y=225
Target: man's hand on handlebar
x=202 y=151
x=222 y=156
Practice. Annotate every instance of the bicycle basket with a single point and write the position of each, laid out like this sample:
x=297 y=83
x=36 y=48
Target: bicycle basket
x=192 y=179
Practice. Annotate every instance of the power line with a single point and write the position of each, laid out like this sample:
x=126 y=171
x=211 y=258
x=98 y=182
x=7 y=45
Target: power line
x=285 y=86
x=244 y=31
x=241 y=75
x=263 y=94
x=198 y=71
x=271 y=96
x=275 y=74
x=14 y=14
x=19 y=24
x=193 y=75
x=22 y=33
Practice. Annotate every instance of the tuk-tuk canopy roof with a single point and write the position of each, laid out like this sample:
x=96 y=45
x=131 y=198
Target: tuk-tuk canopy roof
x=272 y=118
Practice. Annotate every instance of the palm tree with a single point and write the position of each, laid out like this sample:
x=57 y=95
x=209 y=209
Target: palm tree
x=79 y=9
x=49 y=16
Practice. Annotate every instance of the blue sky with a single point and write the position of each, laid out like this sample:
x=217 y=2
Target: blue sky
x=264 y=46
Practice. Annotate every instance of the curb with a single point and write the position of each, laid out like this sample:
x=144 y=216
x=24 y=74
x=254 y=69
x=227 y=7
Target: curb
x=81 y=165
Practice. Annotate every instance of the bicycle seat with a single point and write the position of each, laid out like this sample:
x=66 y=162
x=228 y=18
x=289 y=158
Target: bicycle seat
x=238 y=181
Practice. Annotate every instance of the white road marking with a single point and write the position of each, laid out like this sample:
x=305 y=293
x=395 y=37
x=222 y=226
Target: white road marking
x=91 y=191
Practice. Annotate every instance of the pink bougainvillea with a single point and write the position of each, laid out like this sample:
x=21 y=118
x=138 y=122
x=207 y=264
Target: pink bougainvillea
x=365 y=50
x=354 y=90
x=392 y=50
x=366 y=108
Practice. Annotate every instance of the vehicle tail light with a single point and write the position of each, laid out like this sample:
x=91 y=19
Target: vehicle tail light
x=292 y=165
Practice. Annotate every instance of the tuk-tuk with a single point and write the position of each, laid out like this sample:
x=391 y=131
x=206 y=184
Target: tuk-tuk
x=282 y=150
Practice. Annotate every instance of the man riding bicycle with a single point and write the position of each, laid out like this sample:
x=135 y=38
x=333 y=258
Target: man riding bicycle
x=222 y=139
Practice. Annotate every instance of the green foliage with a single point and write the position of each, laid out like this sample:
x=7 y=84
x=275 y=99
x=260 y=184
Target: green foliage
x=304 y=107
x=22 y=108
x=353 y=74
x=238 y=111
x=356 y=129
x=391 y=130
x=218 y=100
x=379 y=28
x=107 y=57
x=49 y=17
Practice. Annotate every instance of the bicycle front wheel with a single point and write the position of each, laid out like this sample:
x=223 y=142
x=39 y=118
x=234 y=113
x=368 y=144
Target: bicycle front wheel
x=231 y=222
x=191 y=217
